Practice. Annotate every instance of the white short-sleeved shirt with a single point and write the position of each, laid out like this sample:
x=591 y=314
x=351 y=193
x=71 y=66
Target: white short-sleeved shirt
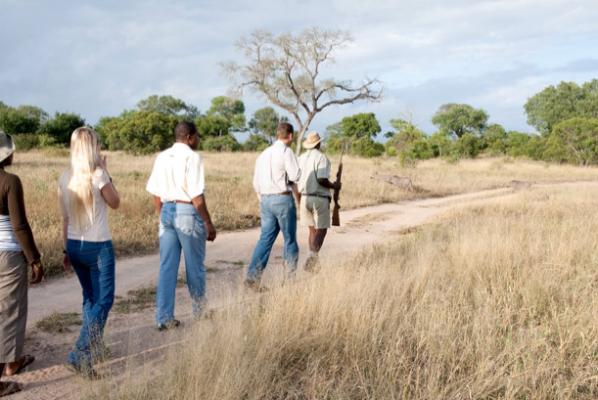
x=98 y=230
x=275 y=167
x=314 y=165
x=178 y=174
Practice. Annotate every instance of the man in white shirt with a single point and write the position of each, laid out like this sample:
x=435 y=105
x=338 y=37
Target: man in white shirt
x=274 y=180
x=314 y=187
x=177 y=183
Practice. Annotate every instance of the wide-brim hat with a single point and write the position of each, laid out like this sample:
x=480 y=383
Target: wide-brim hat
x=7 y=146
x=313 y=138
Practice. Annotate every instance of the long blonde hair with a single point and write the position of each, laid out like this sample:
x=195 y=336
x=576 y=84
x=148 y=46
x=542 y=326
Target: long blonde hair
x=85 y=158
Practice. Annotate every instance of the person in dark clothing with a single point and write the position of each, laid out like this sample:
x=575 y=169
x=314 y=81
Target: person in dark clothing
x=17 y=251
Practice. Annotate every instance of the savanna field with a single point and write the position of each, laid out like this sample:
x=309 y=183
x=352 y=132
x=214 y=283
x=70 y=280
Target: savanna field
x=232 y=201
x=494 y=301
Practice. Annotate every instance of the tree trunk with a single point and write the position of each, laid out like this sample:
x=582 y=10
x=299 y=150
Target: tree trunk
x=301 y=133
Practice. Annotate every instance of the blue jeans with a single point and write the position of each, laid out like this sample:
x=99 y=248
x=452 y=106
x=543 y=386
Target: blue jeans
x=181 y=228
x=93 y=263
x=277 y=214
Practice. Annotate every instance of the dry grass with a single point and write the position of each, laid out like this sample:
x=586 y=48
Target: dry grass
x=496 y=302
x=231 y=199
x=59 y=322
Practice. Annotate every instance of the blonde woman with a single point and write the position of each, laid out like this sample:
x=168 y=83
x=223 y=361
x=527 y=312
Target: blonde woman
x=86 y=191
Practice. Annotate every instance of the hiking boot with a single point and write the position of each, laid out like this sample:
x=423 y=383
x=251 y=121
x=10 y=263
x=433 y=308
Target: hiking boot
x=172 y=324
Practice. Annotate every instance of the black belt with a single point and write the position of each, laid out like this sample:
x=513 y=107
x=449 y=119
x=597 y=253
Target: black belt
x=317 y=195
x=278 y=194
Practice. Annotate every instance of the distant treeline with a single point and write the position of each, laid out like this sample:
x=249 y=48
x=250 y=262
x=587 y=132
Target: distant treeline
x=565 y=117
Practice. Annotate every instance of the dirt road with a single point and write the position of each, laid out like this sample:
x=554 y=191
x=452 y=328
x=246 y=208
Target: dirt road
x=131 y=337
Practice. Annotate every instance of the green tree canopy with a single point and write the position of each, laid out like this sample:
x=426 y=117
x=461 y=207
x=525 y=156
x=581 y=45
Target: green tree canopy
x=558 y=103
x=232 y=110
x=360 y=125
x=22 y=119
x=574 y=140
x=168 y=105
x=494 y=139
x=213 y=125
x=62 y=126
x=265 y=121
x=408 y=141
x=459 y=119
x=138 y=132
x=356 y=131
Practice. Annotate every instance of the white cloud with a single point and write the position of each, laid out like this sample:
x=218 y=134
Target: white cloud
x=97 y=58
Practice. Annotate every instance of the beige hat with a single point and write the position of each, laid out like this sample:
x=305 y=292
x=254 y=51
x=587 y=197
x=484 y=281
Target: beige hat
x=7 y=146
x=313 y=138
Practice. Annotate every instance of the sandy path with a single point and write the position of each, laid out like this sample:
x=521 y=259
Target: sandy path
x=131 y=338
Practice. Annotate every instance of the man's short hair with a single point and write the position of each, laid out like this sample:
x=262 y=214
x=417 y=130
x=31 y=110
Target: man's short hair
x=184 y=129
x=284 y=130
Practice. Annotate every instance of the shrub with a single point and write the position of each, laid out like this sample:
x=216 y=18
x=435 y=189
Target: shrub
x=440 y=144
x=574 y=140
x=62 y=126
x=494 y=140
x=366 y=147
x=516 y=144
x=255 y=143
x=30 y=141
x=467 y=146
x=26 y=141
x=138 y=132
x=220 y=143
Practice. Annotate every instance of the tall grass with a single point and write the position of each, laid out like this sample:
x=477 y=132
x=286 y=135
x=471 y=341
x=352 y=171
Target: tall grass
x=230 y=196
x=496 y=302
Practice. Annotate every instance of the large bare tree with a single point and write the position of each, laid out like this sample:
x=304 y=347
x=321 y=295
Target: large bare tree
x=286 y=69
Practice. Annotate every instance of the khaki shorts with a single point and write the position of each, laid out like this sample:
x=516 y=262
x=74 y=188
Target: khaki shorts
x=315 y=211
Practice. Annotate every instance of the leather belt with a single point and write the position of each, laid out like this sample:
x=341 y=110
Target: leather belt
x=287 y=193
x=178 y=201
x=316 y=195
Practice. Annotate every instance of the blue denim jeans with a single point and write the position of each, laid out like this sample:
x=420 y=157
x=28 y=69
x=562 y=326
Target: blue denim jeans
x=278 y=213
x=93 y=263
x=181 y=228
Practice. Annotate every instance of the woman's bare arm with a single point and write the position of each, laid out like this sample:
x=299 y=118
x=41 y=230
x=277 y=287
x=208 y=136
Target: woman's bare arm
x=111 y=196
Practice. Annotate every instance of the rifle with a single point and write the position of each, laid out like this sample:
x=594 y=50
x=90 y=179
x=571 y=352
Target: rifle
x=336 y=218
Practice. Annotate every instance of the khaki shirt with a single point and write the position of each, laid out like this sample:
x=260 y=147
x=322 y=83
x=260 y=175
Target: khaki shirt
x=314 y=165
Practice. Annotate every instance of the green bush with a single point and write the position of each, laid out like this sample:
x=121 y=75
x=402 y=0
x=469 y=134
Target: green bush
x=366 y=147
x=220 y=143
x=409 y=143
x=255 y=143
x=575 y=141
x=30 y=141
x=26 y=141
x=391 y=151
x=467 y=146
x=138 y=132
x=440 y=144
x=517 y=144
x=494 y=140
x=62 y=126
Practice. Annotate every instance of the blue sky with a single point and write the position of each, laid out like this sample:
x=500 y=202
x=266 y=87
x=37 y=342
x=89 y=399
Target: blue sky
x=98 y=58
